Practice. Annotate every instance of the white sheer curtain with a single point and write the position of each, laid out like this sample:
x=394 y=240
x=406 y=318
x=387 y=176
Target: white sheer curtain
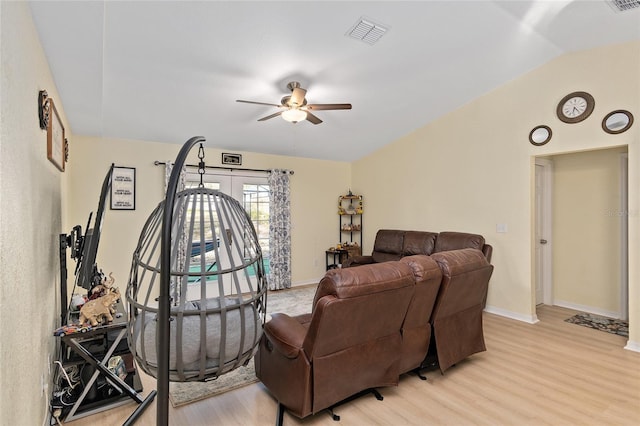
x=279 y=276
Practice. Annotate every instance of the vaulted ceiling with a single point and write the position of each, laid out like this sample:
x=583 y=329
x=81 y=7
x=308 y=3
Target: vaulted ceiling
x=165 y=71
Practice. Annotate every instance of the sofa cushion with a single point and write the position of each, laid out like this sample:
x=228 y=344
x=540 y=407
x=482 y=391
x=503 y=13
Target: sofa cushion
x=417 y=242
x=447 y=241
x=388 y=245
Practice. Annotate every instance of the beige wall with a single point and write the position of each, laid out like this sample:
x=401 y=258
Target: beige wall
x=473 y=168
x=315 y=187
x=30 y=222
x=586 y=231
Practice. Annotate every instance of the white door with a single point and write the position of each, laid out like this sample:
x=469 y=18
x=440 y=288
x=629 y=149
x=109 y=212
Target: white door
x=543 y=290
x=252 y=191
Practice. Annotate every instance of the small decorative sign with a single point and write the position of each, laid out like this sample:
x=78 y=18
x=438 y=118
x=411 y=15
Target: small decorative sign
x=234 y=159
x=123 y=188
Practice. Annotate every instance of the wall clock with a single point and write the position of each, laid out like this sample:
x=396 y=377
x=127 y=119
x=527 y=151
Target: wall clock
x=575 y=107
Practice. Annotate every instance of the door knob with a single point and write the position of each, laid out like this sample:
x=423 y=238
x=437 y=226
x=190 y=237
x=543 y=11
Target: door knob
x=543 y=241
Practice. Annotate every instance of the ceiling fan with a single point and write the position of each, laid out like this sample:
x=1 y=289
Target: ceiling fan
x=294 y=107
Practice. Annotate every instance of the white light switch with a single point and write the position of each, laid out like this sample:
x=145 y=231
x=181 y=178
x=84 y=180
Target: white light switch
x=501 y=227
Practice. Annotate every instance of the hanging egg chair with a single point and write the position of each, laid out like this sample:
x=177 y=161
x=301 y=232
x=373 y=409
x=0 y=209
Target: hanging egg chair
x=197 y=286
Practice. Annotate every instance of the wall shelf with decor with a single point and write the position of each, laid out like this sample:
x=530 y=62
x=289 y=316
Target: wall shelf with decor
x=350 y=211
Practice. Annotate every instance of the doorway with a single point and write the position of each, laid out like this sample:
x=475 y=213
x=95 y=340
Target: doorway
x=582 y=263
x=251 y=189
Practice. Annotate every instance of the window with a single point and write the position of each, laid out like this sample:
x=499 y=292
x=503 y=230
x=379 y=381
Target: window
x=256 y=203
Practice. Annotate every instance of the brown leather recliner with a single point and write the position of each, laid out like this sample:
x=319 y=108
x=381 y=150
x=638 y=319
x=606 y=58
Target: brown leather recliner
x=416 y=328
x=349 y=345
x=457 y=314
x=393 y=244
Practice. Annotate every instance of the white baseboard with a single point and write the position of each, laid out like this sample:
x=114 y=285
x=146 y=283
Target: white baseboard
x=633 y=346
x=531 y=319
x=306 y=282
x=588 y=309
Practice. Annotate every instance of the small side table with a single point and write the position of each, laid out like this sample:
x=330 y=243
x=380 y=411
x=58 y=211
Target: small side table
x=337 y=256
x=112 y=334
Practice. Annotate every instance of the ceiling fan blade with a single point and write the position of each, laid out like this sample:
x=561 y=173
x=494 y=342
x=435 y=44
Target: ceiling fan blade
x=257 y=103
x=321 y=107
x=297 y=96
x=271 y=116
x=312 y=118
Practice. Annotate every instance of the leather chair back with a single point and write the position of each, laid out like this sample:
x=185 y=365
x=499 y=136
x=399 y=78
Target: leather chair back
x=460 y=240
x=457 y=314
x=388 y=245
x=418 y=242
x=416 y=328
x=354 y=334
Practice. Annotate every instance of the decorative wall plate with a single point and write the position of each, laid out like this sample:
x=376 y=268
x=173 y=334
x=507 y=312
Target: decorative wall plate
x=617 y=121
x=540 y=135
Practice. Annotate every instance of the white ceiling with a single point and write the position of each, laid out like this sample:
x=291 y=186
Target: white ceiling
x=165 y=71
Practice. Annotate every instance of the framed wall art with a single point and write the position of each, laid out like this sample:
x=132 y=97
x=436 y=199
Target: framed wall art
x=123 y=188
x=234 y=159
x=55 y=138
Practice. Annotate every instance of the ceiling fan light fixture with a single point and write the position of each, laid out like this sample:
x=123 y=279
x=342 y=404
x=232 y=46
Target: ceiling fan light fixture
x=293 y=115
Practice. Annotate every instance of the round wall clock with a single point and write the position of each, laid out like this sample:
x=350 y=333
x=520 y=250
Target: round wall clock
x=575 y=107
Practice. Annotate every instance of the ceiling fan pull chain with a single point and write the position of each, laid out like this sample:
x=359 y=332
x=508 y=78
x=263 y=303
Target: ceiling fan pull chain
x=201 y=166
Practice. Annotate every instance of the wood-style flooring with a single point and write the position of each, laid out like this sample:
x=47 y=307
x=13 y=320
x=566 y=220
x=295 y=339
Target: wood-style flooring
x=549 y=373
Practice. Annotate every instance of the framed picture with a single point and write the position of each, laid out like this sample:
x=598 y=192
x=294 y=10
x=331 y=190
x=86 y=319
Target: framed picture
x=55 y=138
x=123 y=188
x=234 y=159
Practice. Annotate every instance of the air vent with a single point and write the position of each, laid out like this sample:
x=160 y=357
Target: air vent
x=623 y=5
x=368 y=31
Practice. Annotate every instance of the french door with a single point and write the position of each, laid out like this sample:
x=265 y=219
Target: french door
x=250 y=189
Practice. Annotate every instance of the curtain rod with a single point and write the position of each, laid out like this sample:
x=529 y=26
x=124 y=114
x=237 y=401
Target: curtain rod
x=162 y=163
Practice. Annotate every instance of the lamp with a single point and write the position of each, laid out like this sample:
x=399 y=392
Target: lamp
x=293 y=115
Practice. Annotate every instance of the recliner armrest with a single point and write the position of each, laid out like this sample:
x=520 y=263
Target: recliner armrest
x=357 y=261
x=487 y=250
x=285 y=334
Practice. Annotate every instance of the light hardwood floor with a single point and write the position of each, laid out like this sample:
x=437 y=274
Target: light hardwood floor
x=549 y=373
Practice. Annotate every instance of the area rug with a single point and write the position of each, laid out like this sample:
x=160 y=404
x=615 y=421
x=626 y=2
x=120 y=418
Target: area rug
x=293 y=301
x=610 y=325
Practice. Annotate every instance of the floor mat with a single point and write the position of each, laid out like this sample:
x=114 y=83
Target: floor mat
x=610 y=325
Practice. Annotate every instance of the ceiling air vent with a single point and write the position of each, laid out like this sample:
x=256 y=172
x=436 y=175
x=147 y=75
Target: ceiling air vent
x=368 y=31
x=623 y=5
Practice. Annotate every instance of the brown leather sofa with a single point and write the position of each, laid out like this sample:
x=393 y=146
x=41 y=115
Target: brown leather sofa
x=393 y=244
x=362 y=316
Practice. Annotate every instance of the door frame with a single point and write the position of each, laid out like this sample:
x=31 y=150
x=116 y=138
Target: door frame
x=547 y=229
x=624 y=236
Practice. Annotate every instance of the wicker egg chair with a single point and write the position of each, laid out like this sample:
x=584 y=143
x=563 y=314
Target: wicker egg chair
x=197 y=287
